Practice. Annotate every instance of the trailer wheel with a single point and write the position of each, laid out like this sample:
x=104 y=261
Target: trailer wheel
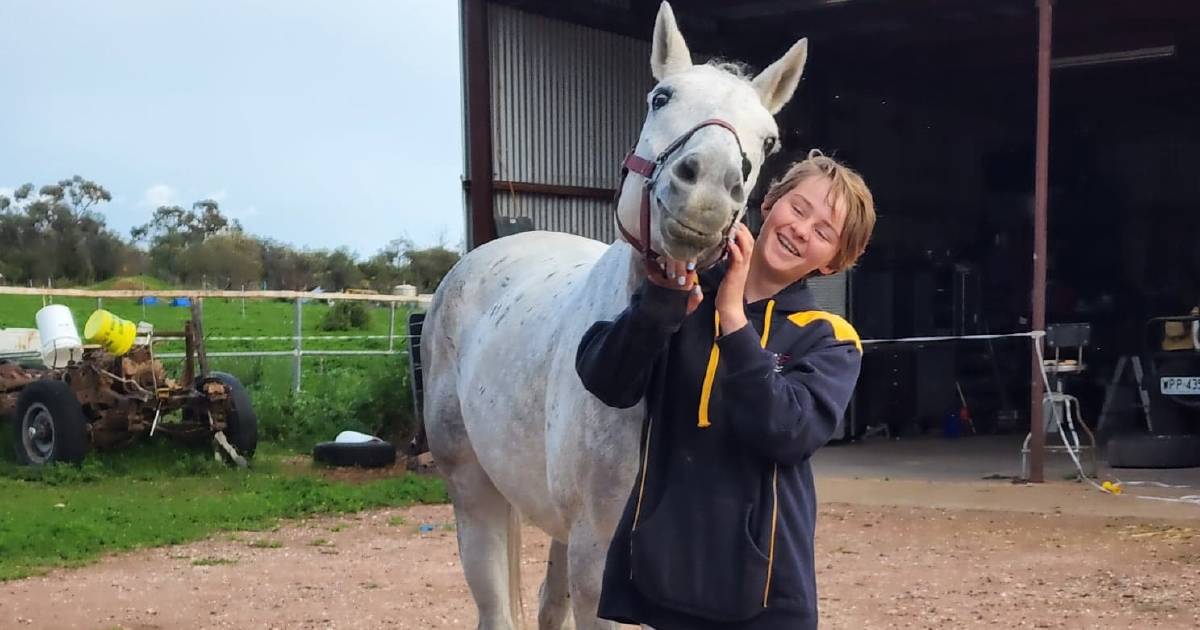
x=241 y=423
x=49 y=426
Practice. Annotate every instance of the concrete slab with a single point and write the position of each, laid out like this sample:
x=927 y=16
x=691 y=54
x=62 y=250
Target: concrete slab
x=971 y=458
x=978 y=473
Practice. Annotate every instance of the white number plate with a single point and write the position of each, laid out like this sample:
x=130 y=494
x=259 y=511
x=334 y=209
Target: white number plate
x=1180 y=385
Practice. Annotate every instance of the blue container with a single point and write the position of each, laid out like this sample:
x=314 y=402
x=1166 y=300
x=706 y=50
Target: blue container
x=951 y=426
x=181 y=301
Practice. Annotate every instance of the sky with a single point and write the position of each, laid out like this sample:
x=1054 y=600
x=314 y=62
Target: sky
x=320 y=124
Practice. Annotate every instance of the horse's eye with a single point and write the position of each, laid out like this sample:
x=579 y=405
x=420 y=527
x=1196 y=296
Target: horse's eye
x=769 y=145
x=659 y=100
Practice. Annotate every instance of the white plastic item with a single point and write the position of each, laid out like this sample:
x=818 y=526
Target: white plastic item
x=354 y=437
x=58 y=335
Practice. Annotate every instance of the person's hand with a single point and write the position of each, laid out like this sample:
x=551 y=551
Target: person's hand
x=676 y=275
x=731 y=297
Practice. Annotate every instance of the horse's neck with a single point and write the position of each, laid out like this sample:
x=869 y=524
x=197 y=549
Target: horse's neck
x=629 y=205
x=614 y=278
x=618 y=273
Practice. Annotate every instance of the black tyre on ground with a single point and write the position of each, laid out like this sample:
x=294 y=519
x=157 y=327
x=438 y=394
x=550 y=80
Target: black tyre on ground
x=1143 y=450
x=373 y=454
x=241 y=423
x=49 y=425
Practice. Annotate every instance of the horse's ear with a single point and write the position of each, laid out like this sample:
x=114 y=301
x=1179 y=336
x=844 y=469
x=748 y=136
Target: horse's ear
x=776 y=84
x=669 y=53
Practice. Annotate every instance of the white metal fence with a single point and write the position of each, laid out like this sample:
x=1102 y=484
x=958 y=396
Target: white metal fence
x=396 y=344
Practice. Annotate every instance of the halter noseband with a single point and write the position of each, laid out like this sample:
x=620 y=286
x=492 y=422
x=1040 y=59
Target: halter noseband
x=650 y=170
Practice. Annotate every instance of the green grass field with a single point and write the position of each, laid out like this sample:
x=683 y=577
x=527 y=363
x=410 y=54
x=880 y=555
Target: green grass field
x=222 y=317
x=155 y=495
x=158 y=493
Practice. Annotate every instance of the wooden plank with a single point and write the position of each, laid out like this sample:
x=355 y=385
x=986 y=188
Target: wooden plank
x=198 y=338
x=197 y=293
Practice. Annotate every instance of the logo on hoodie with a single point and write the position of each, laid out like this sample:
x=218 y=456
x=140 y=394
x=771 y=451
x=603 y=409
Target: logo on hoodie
x=781 y=360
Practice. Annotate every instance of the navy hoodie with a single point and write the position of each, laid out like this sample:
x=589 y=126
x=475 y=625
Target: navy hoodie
x=718 y=529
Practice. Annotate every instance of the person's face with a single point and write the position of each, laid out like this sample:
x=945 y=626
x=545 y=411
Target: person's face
x=801 y=233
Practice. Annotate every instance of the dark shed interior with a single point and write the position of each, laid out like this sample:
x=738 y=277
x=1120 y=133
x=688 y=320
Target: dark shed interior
x=934 y=102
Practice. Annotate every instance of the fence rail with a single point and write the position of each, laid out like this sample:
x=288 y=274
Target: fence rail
x=423 y=299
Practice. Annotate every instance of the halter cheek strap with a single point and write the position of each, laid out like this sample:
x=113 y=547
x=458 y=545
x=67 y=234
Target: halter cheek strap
x=650 y=170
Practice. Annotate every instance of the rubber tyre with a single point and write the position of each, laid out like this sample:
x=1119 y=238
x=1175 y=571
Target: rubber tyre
x=1144 y=450
x=375 y=454
x=69 y=442
x=241 y=423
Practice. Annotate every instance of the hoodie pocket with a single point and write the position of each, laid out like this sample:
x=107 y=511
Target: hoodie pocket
x=701 y=558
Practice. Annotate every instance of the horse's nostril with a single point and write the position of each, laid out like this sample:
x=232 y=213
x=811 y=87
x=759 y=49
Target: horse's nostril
x=738 y=193
x=733 y=183
x=687 y=169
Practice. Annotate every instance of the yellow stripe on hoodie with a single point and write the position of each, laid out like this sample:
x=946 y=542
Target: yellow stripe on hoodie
x=714 y=357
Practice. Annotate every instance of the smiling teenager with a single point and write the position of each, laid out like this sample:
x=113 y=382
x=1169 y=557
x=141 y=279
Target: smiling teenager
x=748 y=380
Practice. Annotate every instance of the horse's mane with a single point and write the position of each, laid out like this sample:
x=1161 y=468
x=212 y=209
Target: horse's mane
x=737 y=69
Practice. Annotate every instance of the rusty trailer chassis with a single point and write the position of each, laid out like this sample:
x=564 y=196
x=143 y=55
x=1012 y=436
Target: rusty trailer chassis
x=124 y=398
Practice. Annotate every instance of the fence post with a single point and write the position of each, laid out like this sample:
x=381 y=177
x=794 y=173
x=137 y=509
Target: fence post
x=296 y=359
x=100 y=304
x=391 y=325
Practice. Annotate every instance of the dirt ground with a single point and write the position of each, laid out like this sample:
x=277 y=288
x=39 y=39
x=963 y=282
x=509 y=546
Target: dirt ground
x=878 y=565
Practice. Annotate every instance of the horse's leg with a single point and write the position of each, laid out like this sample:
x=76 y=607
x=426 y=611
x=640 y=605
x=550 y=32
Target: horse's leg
x=586 y=553
x=554 y=599
x=483 y=516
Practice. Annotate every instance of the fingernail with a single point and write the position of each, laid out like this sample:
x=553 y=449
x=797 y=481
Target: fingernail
x=671 y=272
x=696 y=290
x=681 y=280
x=692 y=266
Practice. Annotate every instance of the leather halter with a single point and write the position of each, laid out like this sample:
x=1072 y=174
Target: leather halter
x=650 y=170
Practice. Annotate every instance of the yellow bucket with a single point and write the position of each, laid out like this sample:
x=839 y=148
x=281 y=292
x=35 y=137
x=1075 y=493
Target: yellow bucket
x=110 y=331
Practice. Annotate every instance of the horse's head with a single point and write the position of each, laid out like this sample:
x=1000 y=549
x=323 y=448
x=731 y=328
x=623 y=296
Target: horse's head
x=707 y=131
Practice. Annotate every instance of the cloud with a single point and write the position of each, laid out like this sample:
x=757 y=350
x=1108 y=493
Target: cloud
x=158 y=195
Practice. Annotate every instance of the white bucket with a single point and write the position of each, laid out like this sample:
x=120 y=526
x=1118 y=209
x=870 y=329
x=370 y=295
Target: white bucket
x=59 y=337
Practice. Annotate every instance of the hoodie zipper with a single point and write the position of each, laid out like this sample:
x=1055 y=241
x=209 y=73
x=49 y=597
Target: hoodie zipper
x=774 y=476
x=703 y=422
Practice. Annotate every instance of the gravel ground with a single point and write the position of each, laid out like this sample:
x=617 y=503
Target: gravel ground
x=878 y=567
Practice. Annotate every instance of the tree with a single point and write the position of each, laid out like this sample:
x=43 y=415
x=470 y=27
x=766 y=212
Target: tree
x=60 y=235
x=173 y=231
x=227 y=261
x=285 y=268
x=425 y=268
x=401 y=262
x=339 y=270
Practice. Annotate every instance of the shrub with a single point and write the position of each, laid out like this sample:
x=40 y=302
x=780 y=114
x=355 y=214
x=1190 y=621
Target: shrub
x=346 y=315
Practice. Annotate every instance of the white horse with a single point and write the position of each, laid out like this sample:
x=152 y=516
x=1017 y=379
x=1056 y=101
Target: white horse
x=508 y=421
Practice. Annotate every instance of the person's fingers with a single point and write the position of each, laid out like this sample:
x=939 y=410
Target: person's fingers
x=694 y=299
x=745 y=240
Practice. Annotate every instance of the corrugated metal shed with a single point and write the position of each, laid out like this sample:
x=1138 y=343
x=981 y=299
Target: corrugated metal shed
x=830 y=293
x=567 y=102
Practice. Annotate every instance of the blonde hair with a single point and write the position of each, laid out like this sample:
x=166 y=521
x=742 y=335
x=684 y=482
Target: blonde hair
x=848 y=194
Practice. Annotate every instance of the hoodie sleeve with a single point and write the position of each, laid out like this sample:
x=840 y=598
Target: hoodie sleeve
x=615 y=358
x=786 y=416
